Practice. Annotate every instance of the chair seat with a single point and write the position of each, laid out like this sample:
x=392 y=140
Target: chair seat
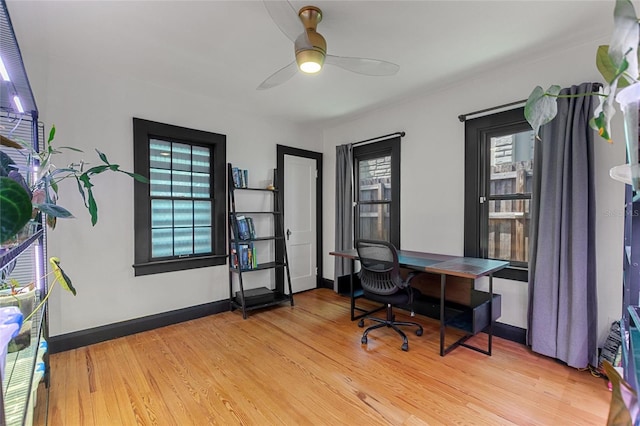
x=399 y=298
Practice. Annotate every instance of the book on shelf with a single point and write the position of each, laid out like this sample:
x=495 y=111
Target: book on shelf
x=252 y=229
x=246 y=258
x=234 y=258
x=243 y=228
x=240 y=177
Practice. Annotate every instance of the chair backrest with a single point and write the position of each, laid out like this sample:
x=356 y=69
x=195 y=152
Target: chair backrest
x=380 y=270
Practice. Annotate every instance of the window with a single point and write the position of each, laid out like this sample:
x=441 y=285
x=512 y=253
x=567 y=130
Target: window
x=180 y=214
x=498 y=180
x=377 y=192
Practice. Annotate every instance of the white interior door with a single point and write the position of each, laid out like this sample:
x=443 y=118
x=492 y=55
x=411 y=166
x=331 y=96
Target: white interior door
x=300 y=221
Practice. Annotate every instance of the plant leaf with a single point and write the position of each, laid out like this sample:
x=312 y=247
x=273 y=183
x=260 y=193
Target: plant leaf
x=8 y=142
x=625 y=37
x=103 y=157
x=93 y=207
x=54 y=186
x=96 y=170
x=54 y=210
x=71 y=148
x=136 y=176
x=608 y=71
x=60 y=275
x=15 y=175
x=15 y=208
x=52 y=134
x=51 y=221
x=86 y=180
x=6 y=164
x=541 y=107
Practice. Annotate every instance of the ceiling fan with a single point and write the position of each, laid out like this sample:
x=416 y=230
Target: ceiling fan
x=311 y=47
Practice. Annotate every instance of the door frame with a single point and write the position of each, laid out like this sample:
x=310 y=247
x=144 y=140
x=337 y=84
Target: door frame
x=281 y=151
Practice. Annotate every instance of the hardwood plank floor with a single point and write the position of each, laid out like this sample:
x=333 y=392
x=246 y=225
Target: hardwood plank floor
x=305 y=366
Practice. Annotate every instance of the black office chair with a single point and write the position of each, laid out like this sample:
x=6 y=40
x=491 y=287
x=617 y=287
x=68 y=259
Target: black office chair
x=381 y=282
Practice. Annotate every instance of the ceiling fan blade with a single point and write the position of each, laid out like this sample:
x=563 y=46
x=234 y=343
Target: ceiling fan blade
x=374 y=67
x=279 y=77
x=286 y=18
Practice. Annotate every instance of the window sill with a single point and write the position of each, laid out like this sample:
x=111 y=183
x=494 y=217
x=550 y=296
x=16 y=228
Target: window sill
x=171 y=265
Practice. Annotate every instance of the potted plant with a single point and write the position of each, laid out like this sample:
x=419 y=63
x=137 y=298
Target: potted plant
x=21 y=199
x=618 y=65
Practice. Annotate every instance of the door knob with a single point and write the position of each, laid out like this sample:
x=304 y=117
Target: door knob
x=288 y=233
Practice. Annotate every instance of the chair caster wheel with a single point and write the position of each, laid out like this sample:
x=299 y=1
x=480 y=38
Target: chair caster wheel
x=361 y=323
x=405 y=347
x=364 y=340
x=418 y=332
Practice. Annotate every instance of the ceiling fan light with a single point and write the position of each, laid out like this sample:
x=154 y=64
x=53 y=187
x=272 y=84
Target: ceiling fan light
x=310 y=67
x=310 y=61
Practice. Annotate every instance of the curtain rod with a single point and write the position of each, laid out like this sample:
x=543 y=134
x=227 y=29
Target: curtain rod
x=401 y=134
x=463 y=117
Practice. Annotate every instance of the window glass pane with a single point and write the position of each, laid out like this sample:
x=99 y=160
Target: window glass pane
x=183 y=241
x=201 y=159
x=160 y=185
x=181 y=184
x=508 y=233
x=159 y=154
x=202 y=213
x=511 y=163
x=161 y=242
x=374 y=221
x=202 y=240
x=161 y=213
x=374 y=179
x=183 y=214
x=201 y=188
x=181 y=156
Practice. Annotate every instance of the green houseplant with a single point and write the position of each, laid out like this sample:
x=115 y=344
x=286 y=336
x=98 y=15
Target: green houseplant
x=22 y=198
x=618 y=65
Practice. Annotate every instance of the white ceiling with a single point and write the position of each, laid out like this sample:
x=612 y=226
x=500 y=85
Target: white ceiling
x=225 y=49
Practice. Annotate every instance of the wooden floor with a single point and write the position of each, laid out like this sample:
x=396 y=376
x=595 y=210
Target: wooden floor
x=305 y=366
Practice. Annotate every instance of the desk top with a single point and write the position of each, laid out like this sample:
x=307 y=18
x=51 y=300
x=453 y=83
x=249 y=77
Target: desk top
x=467 y=267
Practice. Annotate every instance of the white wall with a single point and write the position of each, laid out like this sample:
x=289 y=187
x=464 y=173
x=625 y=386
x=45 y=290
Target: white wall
x=92 y=109
x=432 y=169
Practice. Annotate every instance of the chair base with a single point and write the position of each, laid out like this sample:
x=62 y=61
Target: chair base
x=391 y=323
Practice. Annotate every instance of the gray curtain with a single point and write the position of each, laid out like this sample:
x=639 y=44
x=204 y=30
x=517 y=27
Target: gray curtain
x=344 y=209
x=562 y=315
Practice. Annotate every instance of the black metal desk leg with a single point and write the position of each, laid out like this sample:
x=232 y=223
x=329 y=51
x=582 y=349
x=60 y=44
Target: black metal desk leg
x=353 y=300
x=443 y=283
x=490 y=312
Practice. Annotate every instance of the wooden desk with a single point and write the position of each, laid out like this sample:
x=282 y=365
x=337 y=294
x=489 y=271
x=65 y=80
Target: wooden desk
x=443 y=265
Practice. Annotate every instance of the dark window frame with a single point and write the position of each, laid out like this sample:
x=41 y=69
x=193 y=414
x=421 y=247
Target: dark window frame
x=143 y=131
x=478 y=133
x=372 y=150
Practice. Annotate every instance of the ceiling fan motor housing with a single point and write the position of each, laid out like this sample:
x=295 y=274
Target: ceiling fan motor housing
x=310 y=46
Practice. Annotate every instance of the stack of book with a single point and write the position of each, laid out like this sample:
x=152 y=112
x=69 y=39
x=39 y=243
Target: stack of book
x=240 y=177
x=246 y=229
x=245 y=257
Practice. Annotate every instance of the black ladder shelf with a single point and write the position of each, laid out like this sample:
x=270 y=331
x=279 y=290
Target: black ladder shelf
x=268 y=295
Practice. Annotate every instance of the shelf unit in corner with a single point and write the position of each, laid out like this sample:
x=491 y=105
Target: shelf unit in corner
x=249 y=247
x=26 y=371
